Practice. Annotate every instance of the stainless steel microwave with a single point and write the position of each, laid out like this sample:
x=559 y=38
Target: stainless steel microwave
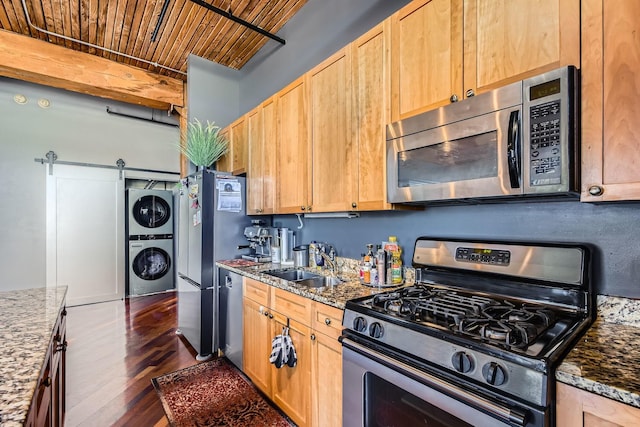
x=518 y=141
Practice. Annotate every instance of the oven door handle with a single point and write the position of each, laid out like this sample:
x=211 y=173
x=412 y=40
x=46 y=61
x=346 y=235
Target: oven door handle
x=513 y=416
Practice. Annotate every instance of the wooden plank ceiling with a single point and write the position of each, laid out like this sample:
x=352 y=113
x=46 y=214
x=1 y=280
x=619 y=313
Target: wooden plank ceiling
x=126 y=26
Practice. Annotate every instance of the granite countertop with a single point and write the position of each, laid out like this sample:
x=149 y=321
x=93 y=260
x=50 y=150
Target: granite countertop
x=335 y=296
x=28 y=319
x=605 y=361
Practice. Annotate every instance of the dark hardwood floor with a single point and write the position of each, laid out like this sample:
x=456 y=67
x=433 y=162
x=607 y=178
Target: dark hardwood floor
x=115 y=349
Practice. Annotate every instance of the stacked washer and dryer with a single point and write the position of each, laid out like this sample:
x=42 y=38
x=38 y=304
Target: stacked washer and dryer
x=150 y=241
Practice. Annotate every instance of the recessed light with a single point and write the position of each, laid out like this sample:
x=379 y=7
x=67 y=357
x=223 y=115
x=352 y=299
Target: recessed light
x=44 y=103
x=20 y=99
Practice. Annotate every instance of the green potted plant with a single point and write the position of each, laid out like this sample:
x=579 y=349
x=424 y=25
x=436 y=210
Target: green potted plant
x=204 y=144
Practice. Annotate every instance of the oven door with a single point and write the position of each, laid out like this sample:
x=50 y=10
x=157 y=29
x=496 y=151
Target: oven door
x=379 y=390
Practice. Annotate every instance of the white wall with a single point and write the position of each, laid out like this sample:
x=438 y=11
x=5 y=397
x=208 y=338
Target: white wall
x=77 y=128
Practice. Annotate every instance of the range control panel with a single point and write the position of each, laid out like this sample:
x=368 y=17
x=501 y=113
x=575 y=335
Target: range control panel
x=483 y=256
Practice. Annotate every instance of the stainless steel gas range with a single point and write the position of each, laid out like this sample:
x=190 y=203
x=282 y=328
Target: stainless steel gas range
x=475 y=342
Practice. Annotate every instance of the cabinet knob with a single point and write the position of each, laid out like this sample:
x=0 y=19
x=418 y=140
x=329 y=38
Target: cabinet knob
x=354 y=205
x=313 y=337
x=327 y=321
x=302 y=207
x=270 y=316
x=454 y=98
x=469 y=93
x=309 y=208
x=266 y=314
x=596 y=190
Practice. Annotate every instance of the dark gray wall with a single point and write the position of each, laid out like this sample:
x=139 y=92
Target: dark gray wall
x=613 y=230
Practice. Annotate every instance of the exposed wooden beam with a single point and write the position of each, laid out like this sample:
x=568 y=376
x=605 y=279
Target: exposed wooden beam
x=36 y=61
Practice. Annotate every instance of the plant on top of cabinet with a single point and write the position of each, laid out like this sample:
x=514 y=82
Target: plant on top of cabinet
x=204 y=143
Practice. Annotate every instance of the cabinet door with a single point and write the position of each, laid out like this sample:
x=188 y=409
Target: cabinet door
x=290 y=386
x=507 y=40
x=293 y=152
x=238 y=140
x=223 y=164
x=334 y=146
x=256 y=343
x=426 y=56
x=270 y=136
x=327 y=380
x=610 y=107
x=255 y=175
x=575 y=407
x=372 y=112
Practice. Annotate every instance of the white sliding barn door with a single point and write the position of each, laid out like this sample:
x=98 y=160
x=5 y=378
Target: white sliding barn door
x=85 y=233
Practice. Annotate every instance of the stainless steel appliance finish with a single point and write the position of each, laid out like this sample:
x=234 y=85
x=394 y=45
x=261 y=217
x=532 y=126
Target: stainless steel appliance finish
x=230 y=285
x=518 y=140
x=211 y=223
x=260 y=237
x=149 y=212
x=150 y=264
x=485 y=325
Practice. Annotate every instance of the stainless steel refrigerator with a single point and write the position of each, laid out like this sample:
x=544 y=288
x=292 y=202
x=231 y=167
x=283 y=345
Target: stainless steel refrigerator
x=211 y=222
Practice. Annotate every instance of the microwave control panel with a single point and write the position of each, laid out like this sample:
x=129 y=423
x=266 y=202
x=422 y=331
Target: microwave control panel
x=545 y=150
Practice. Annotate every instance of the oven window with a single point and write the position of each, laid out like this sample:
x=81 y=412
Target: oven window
x=462 y=159
x=388 y=405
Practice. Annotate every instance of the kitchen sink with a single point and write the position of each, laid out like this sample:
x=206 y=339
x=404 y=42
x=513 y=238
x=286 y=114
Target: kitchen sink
x=304 y=278
x=293 y=275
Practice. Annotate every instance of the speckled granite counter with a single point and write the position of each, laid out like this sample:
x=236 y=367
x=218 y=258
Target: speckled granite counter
x=335 y=296
x=28 y=319
x=605 y=361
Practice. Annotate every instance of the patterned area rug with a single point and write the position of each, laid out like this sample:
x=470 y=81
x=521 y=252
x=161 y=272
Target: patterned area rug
x=214 y=393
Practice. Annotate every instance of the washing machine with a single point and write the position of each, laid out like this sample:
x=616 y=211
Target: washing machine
x=150 y=212
x=150 y=264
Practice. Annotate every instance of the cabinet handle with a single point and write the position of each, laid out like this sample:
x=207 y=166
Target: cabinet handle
x=309 y=208
x=46 y=382
x=302 y=208
x=270 y=316
x=454 y=98
x=266 y=314
x=327 y=321
x=469 y=93
x=313 y=337
x=596 y=190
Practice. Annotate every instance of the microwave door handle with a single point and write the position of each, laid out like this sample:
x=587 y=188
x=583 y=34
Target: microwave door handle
x=513 y=149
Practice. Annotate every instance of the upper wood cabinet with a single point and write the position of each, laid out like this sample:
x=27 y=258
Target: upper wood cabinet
x=426 y=56
x=334 y=152
x=610 y=106
x=508 y=40
x=293 y=162
x=236 y=159
x=371 y=83
x=446 y=50
x=261 y=167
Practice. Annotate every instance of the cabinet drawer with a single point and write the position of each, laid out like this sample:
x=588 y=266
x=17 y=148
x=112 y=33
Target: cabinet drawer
x=294 y=306
x=256 y=291
x=327 y=320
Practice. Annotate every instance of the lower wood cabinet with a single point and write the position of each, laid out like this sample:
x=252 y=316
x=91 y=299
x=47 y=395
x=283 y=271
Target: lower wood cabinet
x=311 y=392
x=48 y=403
x=577 y=408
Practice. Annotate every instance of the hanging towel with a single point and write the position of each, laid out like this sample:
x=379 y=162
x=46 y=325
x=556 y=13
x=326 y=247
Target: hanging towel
x=283 y=351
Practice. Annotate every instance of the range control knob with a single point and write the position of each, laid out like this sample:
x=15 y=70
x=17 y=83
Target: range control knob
x=376 y=330
x=494 y=374
x=360 y=324
x=462 y=362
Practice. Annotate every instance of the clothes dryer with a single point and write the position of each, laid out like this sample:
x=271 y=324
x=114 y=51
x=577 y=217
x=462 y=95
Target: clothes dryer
x=150 y=264
x=150 y=212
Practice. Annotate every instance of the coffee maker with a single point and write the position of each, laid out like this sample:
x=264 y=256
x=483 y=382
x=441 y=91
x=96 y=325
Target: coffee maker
x=260 y=238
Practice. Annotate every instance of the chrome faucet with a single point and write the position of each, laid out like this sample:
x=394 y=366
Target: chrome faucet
x=331 y=263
